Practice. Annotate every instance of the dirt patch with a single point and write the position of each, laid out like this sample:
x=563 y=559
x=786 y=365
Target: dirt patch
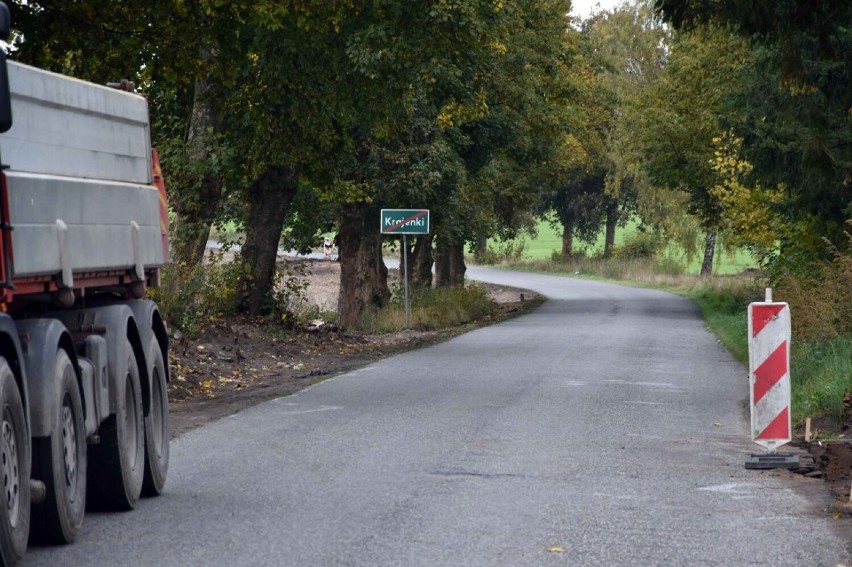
x=833 y=461
x=829 y=463
x=834 y=458
x=238 y=363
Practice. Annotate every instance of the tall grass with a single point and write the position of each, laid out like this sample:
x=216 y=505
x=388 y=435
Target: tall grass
x=431 y=309
x=821 y=376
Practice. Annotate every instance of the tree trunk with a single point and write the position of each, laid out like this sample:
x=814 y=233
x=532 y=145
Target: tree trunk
x=611 y=222
x=269 y=202
x=196 y=209
x=457 y=265
x=363 y=274
x=480 y=249
x=567 y=241
x=420 y=262
x=449 y=263
x=443 y=270
x=709 y=251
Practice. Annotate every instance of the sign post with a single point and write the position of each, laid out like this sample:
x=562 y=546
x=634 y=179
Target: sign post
x=769 y=381
x=405 y=222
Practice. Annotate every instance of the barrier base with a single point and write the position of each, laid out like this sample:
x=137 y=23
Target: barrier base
x=774 y=461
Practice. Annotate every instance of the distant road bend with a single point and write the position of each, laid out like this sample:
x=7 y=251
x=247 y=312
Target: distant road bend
x=605 y=428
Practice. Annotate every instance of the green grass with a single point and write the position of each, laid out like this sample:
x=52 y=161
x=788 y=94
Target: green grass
x=821 y=372
x=548 y=241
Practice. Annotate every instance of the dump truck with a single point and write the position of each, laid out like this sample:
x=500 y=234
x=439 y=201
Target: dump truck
x=83 y=356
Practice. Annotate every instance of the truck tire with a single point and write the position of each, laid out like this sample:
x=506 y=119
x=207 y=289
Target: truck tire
x=15 y=468
x=117 y=464
x=157 y=430
x=60 y=461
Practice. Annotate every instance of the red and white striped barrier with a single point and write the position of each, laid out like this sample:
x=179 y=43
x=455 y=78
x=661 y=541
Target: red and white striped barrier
x=769 y=372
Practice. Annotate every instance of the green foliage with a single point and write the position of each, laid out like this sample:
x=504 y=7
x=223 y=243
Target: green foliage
x=627 y=49
x=193 y=298
x=820 y=294
x=798 y=134
x=309 y=221
x=749 y=210
x=97 y=41
x=639 y=245
x=794 y=110
x=287 y=301
x=681 y=117
x=420 y=168
x=512 y=149
x=186 y=171
x=573 y=192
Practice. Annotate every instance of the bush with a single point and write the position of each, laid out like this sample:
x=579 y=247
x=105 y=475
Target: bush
x=175 y=296
x=287 y=303
x=820 y=297
x=638 y=245
x=669 y=266
x=191 y=299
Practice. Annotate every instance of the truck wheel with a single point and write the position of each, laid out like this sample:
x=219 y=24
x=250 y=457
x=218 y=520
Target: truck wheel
x=117 y=465
x=15 y=470
x=157 y=430
x=60 y=461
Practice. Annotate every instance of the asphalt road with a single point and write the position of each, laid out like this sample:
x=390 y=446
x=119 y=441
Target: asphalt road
x=608 y=427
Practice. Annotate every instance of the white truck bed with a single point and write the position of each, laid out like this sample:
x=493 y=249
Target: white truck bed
x=81 y=198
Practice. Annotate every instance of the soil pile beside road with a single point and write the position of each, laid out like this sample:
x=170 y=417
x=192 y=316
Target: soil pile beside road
x=834 y=460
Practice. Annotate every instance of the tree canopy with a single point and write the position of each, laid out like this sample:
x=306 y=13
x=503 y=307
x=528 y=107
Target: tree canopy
x=301 y=117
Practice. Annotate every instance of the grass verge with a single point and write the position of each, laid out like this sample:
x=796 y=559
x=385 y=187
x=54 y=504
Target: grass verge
x=821 y=368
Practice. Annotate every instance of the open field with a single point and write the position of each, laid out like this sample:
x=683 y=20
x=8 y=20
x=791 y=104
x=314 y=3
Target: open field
x=548 y=241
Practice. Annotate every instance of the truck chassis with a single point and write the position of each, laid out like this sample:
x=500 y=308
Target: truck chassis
x=83 y=358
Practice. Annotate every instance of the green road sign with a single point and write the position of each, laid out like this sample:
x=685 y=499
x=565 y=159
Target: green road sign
x=405 y=221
